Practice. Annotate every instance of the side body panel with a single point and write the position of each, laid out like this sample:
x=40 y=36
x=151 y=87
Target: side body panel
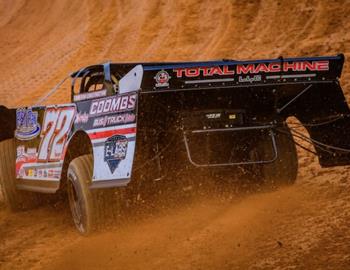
x=41 y=136
x=110 y=123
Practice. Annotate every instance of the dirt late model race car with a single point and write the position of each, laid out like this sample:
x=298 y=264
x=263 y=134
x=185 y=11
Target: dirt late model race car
x=141 y=122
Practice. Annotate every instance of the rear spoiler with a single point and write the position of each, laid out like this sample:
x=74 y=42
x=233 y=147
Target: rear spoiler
x=230 y=73
x=179 y=76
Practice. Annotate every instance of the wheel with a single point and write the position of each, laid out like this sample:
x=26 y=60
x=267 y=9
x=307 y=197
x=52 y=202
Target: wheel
x=15 y=199
x=90 y=208
x=284 y=170
x=79 y=176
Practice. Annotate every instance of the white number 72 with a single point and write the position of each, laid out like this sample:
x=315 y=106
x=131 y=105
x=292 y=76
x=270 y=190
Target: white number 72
x=56 y=126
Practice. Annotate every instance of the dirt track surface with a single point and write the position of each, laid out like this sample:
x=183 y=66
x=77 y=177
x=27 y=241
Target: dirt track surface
x=306 y=226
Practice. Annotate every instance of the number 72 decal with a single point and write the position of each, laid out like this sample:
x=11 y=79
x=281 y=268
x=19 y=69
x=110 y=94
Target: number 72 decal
x=56 y=126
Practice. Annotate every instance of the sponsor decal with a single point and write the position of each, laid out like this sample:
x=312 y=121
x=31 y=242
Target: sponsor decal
x=90 y=95
x=115 y=150
x=31 y=173
x=54 y=173
x=26 y=156
x=23 y=157
x=250 y=79
x=232 y=116
x=204 y=71
x=254 y=68
x=21 y=150
x=285 y=67
x=34 y=171
x=111 y=120
x=27 y=126
x=213 y=115
x=113 y=104
x=21 y=173
x=81 y=118
x=162 y=78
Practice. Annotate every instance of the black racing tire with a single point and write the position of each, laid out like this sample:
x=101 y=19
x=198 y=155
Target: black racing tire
x=284 y=170
x=15 y=199
x=90 y=208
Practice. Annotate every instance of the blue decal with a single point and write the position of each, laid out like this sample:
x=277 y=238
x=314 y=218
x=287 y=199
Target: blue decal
x=115 y=151
x=27 y=126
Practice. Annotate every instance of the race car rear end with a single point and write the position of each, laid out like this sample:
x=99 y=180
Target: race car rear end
x=232 y=113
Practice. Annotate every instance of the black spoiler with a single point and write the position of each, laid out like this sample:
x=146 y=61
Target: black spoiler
x=175 y=76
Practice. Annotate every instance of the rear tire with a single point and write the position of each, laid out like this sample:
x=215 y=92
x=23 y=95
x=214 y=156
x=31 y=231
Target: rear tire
x=90 y=208
x=284 y=170
x=15 y=199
